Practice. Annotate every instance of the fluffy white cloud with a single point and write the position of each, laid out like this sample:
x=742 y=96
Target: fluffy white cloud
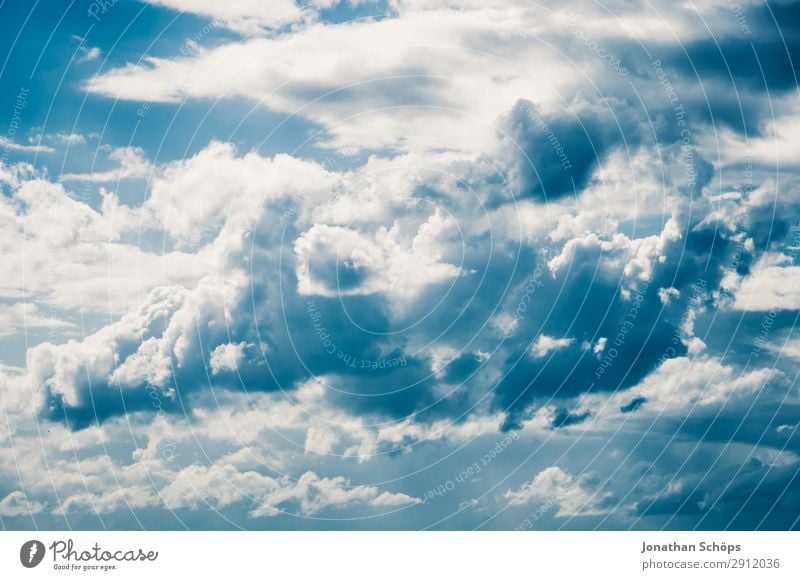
x=89 y=477
x=632 y=258
x=412 y=58
x=23 y=316
x=555 y=486
x=123 y=498
x=774 y=284
x=314 y=494
x=218 y=486
x=226 y=357
x=244 y=16
x=414 y=105
x=90 y=54
x=679 y=386
x=191 y=199
x=65 y=369
x=131 y=165
x=8 y=145
x=333 y=260
x=16 y=504
x=62 y=253
x=544 y=345
x=789 y=348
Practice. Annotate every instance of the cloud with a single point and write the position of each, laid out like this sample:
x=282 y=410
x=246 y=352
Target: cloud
x=90 y=53
x=378 y=98
x=247 y=17
x=8 y=145
x=684 y=386
x=69 y=138
x=554 y=155
x=773 y=285
x=573 y=496
x=335 y=261
x=23 y=316
x=226 y=357
x=674 y=387
x=132 y=165
x=474 y=193
x=192 y=199
x=544 y=345
x=130 y=498
x=789 y=348
x=15 y=504
x=76 y=257
x=220 y=486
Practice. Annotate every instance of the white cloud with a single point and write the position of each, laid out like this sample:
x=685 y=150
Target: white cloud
x=243 y=16
x=334 y=260
x=103 y=502
x=150 y=364
x=600 y=345
x=427 y=76
x=226 y=357
x=9 y=145
x=70 y=138
x=89 y=54
x=789 y=348
x=665 y=295
x=544 y=345
x=370 y=226
x=775 y=145
x=634 y=258
x=679 y=386
x=16 y=504
x=191 y=199
x=223 y=485
x=772 y=285
x=62 y=253
x=65 y=369
x=131 y=165
x=411 y=59
x=555 y=486
x=314 y=494
x=26 y=316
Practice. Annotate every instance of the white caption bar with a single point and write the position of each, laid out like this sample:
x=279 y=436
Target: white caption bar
x=390 y=555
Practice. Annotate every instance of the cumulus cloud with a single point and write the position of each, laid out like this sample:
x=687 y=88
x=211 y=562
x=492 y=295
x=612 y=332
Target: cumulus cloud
x=334 y=260
x=79 y=257
x=226 y=357
x=8 y=145
x=219 y=486
x=398 y=47
x=544 y=345
x=248 y=17
x=131 y=165
x=22 y=316
x=476 y=198
x=555 y=486
x=15 y=504
x=773 y=285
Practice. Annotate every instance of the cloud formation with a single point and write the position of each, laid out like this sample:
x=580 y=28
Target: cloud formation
x=388 y=238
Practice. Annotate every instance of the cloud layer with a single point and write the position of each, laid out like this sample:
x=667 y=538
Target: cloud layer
x=574 y=224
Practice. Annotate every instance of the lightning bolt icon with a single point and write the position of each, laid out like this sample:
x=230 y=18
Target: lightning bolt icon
x=34 y=549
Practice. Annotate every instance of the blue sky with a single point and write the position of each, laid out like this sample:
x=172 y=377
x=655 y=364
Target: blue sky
x=399 y=265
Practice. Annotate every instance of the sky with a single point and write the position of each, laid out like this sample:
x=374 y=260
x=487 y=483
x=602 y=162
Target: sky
x=334 y=265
